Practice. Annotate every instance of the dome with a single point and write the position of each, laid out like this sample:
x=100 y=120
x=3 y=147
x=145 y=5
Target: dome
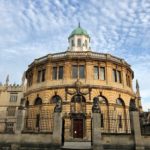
x=79 y=31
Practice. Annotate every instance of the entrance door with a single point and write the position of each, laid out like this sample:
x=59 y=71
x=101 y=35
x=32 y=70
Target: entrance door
x=78 y=128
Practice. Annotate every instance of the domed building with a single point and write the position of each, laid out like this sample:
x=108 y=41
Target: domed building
x=77 y=83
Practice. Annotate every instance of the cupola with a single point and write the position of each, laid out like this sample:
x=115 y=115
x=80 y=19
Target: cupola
x=79 y=40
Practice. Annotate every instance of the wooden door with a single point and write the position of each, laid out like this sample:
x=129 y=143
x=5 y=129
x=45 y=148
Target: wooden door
x=78 y=128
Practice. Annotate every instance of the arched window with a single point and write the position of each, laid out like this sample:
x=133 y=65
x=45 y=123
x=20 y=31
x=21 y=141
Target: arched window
x=56 y=99
x=120 y=102
x=38 y=101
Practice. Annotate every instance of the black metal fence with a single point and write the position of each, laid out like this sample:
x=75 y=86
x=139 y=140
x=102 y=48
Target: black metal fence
x=114 y=125
x=39 y=124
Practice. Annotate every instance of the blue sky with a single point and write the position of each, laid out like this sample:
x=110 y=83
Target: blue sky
x=33 y=28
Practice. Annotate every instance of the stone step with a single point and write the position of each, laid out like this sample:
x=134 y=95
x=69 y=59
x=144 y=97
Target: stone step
x=77 y=146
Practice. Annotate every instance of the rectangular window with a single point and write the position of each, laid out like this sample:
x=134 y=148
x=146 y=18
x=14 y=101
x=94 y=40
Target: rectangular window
x=120 y=121
x=81 y=72
x=60 y=72
x=43 y=75
x=119 y=76
x=114 y=75
x=128 y=80
x=96 y=72
x=39 y=76
x=11 y=111
x=102 y=73
x=54 y=73
x=74 y=71
x=13 y=97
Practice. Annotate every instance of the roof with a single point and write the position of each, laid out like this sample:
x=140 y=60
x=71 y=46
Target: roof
x=79 y=31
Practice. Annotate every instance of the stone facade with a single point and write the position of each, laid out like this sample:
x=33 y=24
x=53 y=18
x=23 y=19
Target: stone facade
x=76 y=96
x=10 y=100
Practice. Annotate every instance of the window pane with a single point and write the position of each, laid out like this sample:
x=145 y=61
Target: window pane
x=119 y=76
x=60 y=72
x=114 y=75
x=54 y=73
x=102 y=73
x=39 y=76
x=79 y=42
x=81 y=71
x=43 y=75
x=75 y=71
x=13 y=97
x=96 y=72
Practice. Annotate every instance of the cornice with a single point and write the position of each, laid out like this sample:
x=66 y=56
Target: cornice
x=79 y=55
x=100 y=87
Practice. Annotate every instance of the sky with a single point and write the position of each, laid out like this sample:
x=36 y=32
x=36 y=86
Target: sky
x=33 y=28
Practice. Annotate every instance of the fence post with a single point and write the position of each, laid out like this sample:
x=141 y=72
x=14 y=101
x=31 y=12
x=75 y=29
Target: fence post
x=136 y=130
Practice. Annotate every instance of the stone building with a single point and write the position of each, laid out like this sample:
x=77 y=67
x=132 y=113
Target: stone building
x=79 y=97
x=10 y=99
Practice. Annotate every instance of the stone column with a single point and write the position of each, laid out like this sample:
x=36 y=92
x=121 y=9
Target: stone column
x=96 y=131
x=136 y=130
x=20 y=120
x=57 y=130
x=96 y=125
